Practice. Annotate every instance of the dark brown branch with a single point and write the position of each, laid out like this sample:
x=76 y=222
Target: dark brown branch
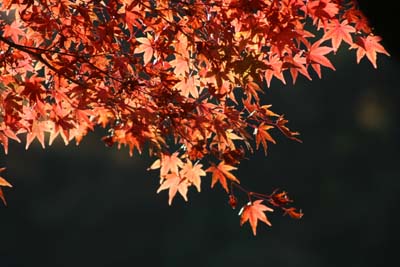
x=40 y=58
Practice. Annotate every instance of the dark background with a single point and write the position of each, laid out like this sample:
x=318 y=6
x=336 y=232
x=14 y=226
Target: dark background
x=95 y=206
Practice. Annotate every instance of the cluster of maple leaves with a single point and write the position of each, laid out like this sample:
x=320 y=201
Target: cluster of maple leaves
x=181 y=79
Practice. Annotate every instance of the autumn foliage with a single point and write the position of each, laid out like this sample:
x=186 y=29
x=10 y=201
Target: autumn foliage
x=179 y=79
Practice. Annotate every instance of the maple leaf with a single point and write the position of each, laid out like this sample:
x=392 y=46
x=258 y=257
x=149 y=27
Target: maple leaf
x=279 y=199
x=316 y=56
x=14 y=31
x=296 y=65
x=37 y=132
x=220 y=173
x=369 y=46
x=145 y=47
x=193 y=173
x=131 y=21
x=253 y=89
x=5 y=134
x=167 y=163
x=274 y=69
x=253 y=212
x=181 y=65
x=281 y=125
x=188 y=86
x=179 y=88
x=174 y=183
x=292 y=212
x=3 y=183
x=323 y=9
x=339 y=32
x=354 y=15
x=262 y=136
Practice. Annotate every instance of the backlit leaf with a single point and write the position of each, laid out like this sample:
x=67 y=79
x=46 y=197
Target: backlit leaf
x=220 y=173
x=253 y=212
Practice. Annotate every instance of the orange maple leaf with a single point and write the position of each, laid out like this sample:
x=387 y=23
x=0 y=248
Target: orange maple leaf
x=253 y=212
x=174 y=183
x=220 y=173
x=167 y=163
x=281 y=125
x=3 y=182
x=131 y=20
x=193 y=173
x=145 y=47
x=37 y=132
x=252 y=89
x=181 y=65
x=262 y=136
x=369 y=46
x=188 y=86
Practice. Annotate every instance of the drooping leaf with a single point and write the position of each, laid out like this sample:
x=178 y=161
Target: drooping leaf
x=193 y=173
x=174 y=183
x=262 y=136
x=292 y=212
x=168 y=76
x=253 y=212
x=220 y=173
x=170 y=163
x=370 y=47
x=316 y=56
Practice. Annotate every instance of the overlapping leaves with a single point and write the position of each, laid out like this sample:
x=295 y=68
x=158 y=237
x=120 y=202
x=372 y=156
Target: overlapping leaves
x=161 y=75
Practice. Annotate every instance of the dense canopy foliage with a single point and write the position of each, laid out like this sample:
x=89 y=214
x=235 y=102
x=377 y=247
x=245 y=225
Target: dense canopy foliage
x=180 y=79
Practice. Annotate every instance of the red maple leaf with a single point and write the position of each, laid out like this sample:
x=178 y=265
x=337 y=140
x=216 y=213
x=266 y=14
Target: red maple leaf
x=161 y=76
x=339 y=32
x=296 y=64
x=369 y=46
x=253 y=212
x=354 y=15
x=316 y=56
x=322 y=9
x=274 y=69
x=14 y=31
x=292 y=212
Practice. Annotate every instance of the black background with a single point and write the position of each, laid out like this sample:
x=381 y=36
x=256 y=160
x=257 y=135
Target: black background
x=95 y=206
